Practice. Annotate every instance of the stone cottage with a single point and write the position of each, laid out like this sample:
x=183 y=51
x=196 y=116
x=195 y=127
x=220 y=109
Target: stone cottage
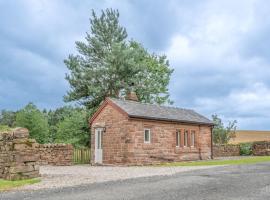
x=134 y=133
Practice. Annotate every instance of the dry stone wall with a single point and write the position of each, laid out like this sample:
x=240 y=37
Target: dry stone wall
x=226 y=150
x=261 y=149
x=56 y=154
x=18 y=155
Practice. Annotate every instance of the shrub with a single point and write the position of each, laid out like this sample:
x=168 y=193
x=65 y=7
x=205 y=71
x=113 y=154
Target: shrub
x=245 y=149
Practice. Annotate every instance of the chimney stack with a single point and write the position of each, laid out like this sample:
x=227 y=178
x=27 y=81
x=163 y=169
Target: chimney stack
x=132 y=96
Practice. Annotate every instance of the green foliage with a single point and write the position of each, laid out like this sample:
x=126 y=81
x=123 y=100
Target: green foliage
x=63 y=125
x=4 y=128
x=107 y=64
x=7 y=118
x=35 y=121
x=59 y=114
x=221 y=134
x=246 y=149
x=56 y=116
x=7 y=185
x=74 y=129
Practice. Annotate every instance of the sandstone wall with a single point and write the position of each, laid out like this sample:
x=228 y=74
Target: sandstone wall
x=123 y=140
x=261 y=148
x=113 y=140
x=226 y=150
x=162 y=147
x=56 y=154
x=18 y=155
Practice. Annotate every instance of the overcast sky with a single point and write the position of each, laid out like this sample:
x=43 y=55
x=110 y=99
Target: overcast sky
x=219 y=50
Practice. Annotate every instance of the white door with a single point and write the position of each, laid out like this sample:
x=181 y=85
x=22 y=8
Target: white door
x=98 y=146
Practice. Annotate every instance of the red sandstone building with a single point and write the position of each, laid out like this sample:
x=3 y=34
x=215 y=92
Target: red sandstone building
x=129 y=132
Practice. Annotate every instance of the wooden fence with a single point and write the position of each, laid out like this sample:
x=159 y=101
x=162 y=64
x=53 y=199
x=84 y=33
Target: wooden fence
x=81 y=156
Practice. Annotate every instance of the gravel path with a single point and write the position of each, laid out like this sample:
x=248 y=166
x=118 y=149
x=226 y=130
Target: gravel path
x=66 y=176
x=243 y=182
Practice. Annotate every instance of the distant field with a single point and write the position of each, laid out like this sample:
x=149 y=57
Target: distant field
x=243 y=136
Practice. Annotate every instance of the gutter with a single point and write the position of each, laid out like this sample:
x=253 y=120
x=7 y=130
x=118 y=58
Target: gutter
x=212 y=156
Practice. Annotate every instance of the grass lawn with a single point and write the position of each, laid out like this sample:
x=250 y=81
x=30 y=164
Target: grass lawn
x=241 y=161
x=6 y=185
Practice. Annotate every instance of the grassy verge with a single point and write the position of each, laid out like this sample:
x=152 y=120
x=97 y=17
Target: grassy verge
x=7 y=185
x=241 y=161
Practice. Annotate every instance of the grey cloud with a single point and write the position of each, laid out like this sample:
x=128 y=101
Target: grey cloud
x=221 y=54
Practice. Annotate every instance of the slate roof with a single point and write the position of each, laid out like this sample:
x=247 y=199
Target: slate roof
x=157 y=112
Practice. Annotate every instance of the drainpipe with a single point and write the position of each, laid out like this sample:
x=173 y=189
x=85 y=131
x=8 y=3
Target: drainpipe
x=212 y=142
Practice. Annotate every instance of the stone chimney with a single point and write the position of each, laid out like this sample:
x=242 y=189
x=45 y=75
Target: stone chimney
x=132 y=96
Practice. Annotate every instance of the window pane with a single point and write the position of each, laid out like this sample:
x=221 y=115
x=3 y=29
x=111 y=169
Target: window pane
x=177 y=139
x=100 y=145
x=186 y=138
x=147 y=135
x=98 y=141
x=192 y=138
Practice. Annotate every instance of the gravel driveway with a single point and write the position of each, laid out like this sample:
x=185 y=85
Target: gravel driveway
x=58 y=177
x=245 y=182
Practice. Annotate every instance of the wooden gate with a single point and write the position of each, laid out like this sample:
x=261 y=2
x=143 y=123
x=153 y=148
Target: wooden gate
x=81 y=156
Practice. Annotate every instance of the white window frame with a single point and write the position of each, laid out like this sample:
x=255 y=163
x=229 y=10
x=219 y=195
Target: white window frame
x=178 y=136
x=149 y=131
x=192 y=138
x=186 y=138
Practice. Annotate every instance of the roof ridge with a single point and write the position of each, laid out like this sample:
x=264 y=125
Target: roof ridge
x=161 y=112
x=137 y=102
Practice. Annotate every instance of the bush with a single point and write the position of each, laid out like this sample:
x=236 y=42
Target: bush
x=245 y=149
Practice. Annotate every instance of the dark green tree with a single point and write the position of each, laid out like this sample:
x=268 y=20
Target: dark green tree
x=55 y=117
x=222 y=134
x=108 y=63
x=7 y=118
x=35 y=121
x=73 y=129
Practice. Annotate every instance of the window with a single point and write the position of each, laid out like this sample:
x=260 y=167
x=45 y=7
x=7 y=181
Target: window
x=147 y=136
x=186 y=138
x=192 y=139
x=99 y=140
x=178 y=138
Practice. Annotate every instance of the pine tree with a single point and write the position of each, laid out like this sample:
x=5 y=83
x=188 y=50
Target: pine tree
x=108 y=63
